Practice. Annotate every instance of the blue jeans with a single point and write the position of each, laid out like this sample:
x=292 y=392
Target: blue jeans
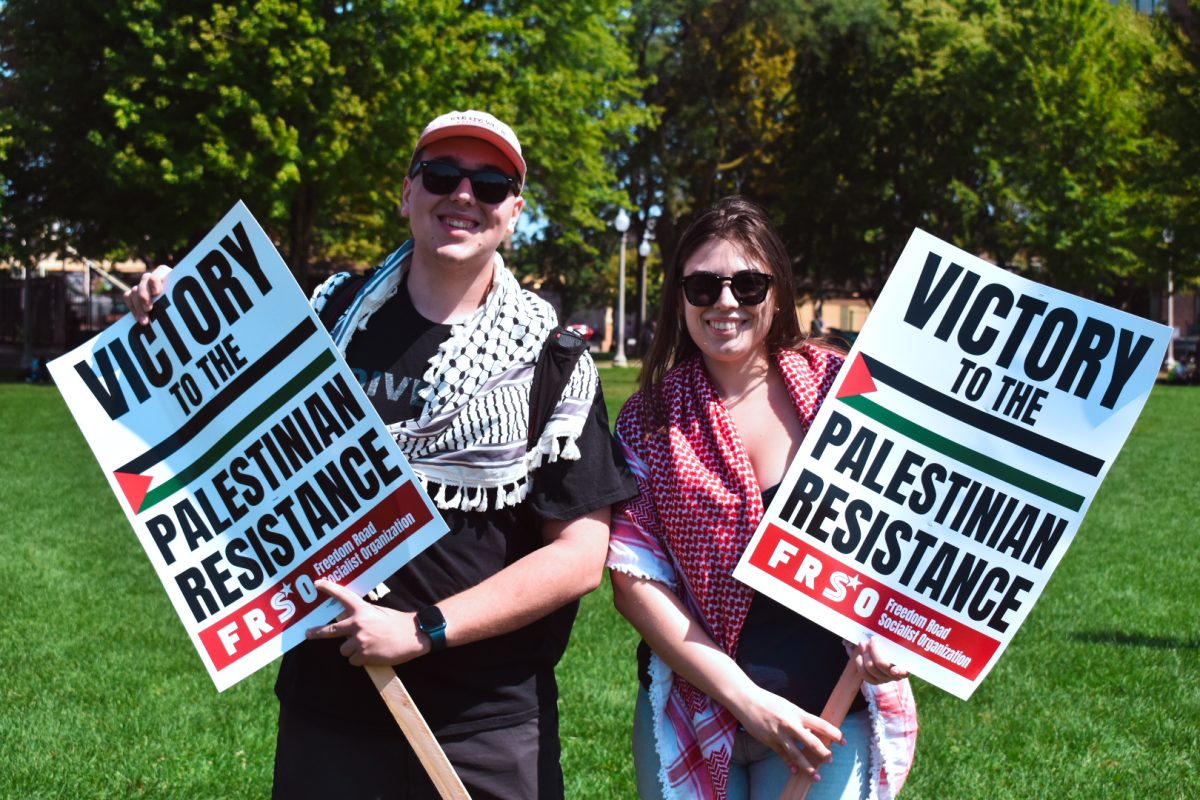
x=755 y=771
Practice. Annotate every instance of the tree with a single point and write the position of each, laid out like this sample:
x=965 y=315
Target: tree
x=1017 y=132
x=890 y=109
x=1075 y=144
x=717 y=83
x=575 y=98
x=306 y=109
x=852 y=122
x=1174 y=177
x=43 y=108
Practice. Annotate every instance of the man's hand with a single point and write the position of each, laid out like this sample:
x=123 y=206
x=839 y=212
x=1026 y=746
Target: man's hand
x=141 y=297
x=374 y=634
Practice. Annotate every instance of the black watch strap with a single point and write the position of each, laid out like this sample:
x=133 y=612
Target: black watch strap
x=433 y=624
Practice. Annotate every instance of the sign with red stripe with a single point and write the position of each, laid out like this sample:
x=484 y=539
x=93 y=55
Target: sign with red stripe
x=952 y=463
x=244 y=453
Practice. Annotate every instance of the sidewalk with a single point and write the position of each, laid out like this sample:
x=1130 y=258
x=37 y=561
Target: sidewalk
x=10 y=358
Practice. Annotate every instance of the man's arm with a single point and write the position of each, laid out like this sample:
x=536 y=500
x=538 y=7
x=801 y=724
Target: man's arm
x=569 y=565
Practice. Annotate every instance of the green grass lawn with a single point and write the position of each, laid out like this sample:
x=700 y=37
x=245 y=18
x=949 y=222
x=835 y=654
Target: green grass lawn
x=101 y=695
x=619 y=383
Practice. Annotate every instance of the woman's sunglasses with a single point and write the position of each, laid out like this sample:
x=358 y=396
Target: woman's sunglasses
x=749 y=287
x=488 y=185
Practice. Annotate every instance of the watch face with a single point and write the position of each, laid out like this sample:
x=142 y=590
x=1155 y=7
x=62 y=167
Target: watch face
x=430 y=617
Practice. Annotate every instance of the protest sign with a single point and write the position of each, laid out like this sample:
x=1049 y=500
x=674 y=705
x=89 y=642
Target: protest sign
x=244 y=453
x=951 y=464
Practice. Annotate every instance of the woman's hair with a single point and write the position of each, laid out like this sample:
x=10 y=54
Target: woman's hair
x=742 y=223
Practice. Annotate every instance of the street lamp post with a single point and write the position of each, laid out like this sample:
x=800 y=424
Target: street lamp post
x=643 y=254
x=621 y=223
x=1168 y=237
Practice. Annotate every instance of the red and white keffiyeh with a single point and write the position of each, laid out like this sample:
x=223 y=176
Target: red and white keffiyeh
x=698 y=508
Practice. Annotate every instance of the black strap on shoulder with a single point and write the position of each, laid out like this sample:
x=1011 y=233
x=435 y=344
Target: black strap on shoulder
x=343 y=295
x=560 y=353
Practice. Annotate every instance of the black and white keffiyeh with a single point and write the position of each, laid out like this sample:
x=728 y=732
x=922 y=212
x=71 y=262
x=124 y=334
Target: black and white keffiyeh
x=469 y=446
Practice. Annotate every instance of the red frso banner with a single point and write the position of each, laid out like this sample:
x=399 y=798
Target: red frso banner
x=843 y=588
x=342 y=560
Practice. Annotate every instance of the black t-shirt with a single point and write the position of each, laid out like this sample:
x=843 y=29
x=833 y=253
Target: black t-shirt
x=788 y=654
x=486 y=684
x=784 y=652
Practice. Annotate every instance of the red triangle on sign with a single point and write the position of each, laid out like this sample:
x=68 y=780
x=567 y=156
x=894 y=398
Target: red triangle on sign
x=858 y=380
x=135 y=487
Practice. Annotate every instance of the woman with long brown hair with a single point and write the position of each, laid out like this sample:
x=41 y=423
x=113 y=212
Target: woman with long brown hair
x=730 y=679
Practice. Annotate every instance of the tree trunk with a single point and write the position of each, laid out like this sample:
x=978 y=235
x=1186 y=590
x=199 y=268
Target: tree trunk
x=300 y=241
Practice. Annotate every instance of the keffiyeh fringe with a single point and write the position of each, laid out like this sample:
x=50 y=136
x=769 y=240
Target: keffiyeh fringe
x=469 y=446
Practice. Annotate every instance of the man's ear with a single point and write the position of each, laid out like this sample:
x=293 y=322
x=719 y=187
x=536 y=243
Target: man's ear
x=516 y=215
x=404 y=197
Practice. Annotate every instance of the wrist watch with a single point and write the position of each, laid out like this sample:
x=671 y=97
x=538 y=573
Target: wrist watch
x=431 y=622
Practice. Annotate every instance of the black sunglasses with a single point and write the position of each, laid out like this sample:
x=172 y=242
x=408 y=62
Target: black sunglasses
x=489 y=186
x=749 y=287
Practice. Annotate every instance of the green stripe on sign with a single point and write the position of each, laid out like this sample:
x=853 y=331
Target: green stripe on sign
x=934 y=441
x=239 y=431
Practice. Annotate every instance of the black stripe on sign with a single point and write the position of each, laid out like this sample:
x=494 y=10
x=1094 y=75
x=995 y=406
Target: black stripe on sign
x=224 y=399
x=1000 y=428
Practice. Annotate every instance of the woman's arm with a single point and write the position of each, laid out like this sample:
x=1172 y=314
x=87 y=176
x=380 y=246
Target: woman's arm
x=671 y=631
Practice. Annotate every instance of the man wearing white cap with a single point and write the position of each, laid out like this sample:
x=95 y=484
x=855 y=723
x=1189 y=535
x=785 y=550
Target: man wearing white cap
x=444 y=342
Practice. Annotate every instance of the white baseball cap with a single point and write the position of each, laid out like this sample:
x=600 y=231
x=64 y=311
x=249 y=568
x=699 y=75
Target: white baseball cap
x=475 y=125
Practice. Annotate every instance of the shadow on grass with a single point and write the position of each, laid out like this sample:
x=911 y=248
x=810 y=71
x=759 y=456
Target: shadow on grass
x=1135 y=640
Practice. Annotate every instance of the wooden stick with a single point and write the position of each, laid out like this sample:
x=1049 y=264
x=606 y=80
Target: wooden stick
x=836 y=706
x=416 y=730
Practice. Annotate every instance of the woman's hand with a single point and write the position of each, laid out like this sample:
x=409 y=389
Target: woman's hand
x=800 y=738
x=374 y=634
x=873 y=665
